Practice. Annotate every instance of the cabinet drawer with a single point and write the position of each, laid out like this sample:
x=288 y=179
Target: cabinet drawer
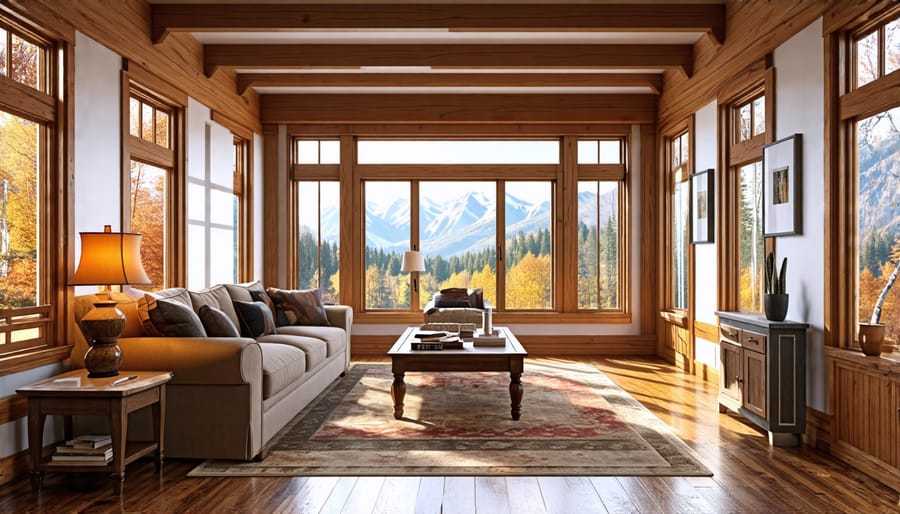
x=729 y=334
x=753 y=341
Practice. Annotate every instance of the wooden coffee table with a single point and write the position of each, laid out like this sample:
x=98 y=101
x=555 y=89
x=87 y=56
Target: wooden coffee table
x=510 y=358
x=98 y=397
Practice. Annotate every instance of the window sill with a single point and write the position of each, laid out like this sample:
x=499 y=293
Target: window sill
x=33 y=358
x=679 y=319
x=504 y=318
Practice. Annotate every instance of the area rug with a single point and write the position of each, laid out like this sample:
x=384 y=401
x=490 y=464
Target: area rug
x=575 y=421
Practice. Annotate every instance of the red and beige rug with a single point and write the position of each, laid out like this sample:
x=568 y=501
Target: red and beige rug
x=575 y=421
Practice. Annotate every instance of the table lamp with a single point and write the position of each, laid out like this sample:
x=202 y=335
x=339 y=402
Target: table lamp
x=413 y=261
x=107 y=258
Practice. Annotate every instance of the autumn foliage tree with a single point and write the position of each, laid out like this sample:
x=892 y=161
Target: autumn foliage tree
x=18 y=210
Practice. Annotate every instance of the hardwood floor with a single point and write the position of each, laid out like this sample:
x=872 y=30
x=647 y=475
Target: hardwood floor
x=749 y=476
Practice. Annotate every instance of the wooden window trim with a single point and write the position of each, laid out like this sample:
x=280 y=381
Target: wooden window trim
x=732 y=155
x=844 y=106
x=138 y=82
x=53 y=108
x=671 y=176
x=352 y=176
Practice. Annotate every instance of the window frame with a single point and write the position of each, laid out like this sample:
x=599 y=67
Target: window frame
x=50 y=107
x=563 y=176
x=137 y=81
x=672 y=177
x=733 y=153
x=845 y=105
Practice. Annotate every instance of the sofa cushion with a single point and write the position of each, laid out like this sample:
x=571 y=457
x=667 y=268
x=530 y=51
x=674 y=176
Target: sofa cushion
x=298 y=306
x=335 y=337
x=242 y=291
x=315 y=349
x=216 y=323
x=255 y=318
x=282 y=365
x=169 y=318
x=216 y=296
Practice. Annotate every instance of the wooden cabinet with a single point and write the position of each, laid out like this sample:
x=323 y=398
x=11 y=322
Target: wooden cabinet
x=762 y=373
x=865 y=408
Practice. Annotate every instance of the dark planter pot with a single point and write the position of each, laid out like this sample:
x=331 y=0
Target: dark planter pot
x=776 y=306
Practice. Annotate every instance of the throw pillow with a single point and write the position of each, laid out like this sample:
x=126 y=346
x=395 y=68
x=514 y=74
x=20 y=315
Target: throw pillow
x=259 y=295
x=298 y=307
x=455 y=293
x=167 y=318
x=216 y=322
x=255 y=317
x=442 y=301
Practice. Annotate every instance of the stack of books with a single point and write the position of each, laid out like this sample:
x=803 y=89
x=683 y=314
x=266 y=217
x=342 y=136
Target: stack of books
x=84 y=450
x=435 y=340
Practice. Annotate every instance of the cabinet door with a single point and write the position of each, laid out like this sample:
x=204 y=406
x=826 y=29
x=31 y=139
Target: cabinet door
x=754 y=381
x=730 y=371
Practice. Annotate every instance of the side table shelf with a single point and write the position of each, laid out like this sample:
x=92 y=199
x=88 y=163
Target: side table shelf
x=97 y=397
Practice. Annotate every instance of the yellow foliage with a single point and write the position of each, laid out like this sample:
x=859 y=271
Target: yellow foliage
x=528 y=284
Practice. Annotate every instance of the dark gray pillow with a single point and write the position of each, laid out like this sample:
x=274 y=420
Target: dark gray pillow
x=255 y=318
x=169 y=318
x=216 y=322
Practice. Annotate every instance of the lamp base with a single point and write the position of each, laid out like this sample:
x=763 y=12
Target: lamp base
x=101 y=327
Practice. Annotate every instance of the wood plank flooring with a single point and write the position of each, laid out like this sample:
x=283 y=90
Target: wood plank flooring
x=749 y=476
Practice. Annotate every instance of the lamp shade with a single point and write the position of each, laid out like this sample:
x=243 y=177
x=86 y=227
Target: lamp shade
x=412 y=261
x=110 y=258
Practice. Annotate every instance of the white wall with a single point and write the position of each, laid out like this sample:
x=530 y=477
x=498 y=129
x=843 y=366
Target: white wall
x=799 y=102
x=706 y=280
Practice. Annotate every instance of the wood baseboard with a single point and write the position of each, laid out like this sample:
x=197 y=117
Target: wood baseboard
x=818 y=430
x=537 y=346
x=16 y=465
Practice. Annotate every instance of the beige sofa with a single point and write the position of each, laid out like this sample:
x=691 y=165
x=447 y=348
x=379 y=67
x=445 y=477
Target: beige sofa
x=230 y=396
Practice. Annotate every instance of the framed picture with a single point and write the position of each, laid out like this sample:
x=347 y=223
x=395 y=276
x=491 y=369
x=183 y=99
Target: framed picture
x=703 y=206
x=781 y=187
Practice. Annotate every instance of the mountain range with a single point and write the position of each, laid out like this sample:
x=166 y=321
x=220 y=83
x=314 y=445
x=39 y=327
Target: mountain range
x=463 y=223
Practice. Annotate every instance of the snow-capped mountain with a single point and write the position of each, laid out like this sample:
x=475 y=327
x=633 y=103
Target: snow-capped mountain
x=459 y=224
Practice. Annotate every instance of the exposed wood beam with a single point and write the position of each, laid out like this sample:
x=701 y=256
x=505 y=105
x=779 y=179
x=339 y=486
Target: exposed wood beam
x=449 y=56
x=650 y=80
x=661 y=17
x=453 y=108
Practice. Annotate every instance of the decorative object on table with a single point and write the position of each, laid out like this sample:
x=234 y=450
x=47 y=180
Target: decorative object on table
x=703 y=207
x=775 y=299
x=782 y=187
x=487 y=325
x=492 y=338
x=871 y=334
x=413 y=262
x=107 y=258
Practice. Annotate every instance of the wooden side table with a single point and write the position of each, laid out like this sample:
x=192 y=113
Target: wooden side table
x=97 y=397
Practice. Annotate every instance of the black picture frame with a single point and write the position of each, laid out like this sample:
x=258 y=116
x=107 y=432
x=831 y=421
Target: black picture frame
x=703 y=207
x=782 y=194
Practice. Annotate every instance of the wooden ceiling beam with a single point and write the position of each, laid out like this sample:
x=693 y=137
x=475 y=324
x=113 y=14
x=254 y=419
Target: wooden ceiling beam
x=449 y=56
x=649 y=80
x=662 y=17
x=458 y=108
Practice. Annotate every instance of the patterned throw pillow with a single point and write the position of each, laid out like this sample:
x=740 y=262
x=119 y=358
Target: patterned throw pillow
x=255 y=317
x=298 y=307
x=216 y=322
x=165 y=318
x=259 y=295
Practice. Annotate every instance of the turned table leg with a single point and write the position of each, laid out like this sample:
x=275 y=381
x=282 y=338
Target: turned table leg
x=515 y=394
x=398 y=392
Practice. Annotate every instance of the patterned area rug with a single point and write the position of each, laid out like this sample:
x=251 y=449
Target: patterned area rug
x=575 y=421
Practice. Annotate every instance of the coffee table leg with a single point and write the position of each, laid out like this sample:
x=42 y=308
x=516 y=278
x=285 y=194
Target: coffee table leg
x=398 y=392
x=515 y=394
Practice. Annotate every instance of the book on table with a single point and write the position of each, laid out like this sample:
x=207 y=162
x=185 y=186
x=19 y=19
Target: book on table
x=90 y=441
x=68 y=455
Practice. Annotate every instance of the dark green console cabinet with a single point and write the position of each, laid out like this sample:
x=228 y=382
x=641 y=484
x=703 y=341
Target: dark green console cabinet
x=762 y=373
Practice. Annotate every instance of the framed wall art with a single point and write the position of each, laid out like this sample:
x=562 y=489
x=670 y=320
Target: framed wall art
x=703 y=206
x=781 y=182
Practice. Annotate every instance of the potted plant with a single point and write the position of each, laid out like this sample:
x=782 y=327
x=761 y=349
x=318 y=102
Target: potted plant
x=871 y=334
x=775 y=300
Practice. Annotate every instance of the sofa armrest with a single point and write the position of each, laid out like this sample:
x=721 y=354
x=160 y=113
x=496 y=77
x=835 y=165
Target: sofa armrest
x=199 y=360
x=340 y=316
